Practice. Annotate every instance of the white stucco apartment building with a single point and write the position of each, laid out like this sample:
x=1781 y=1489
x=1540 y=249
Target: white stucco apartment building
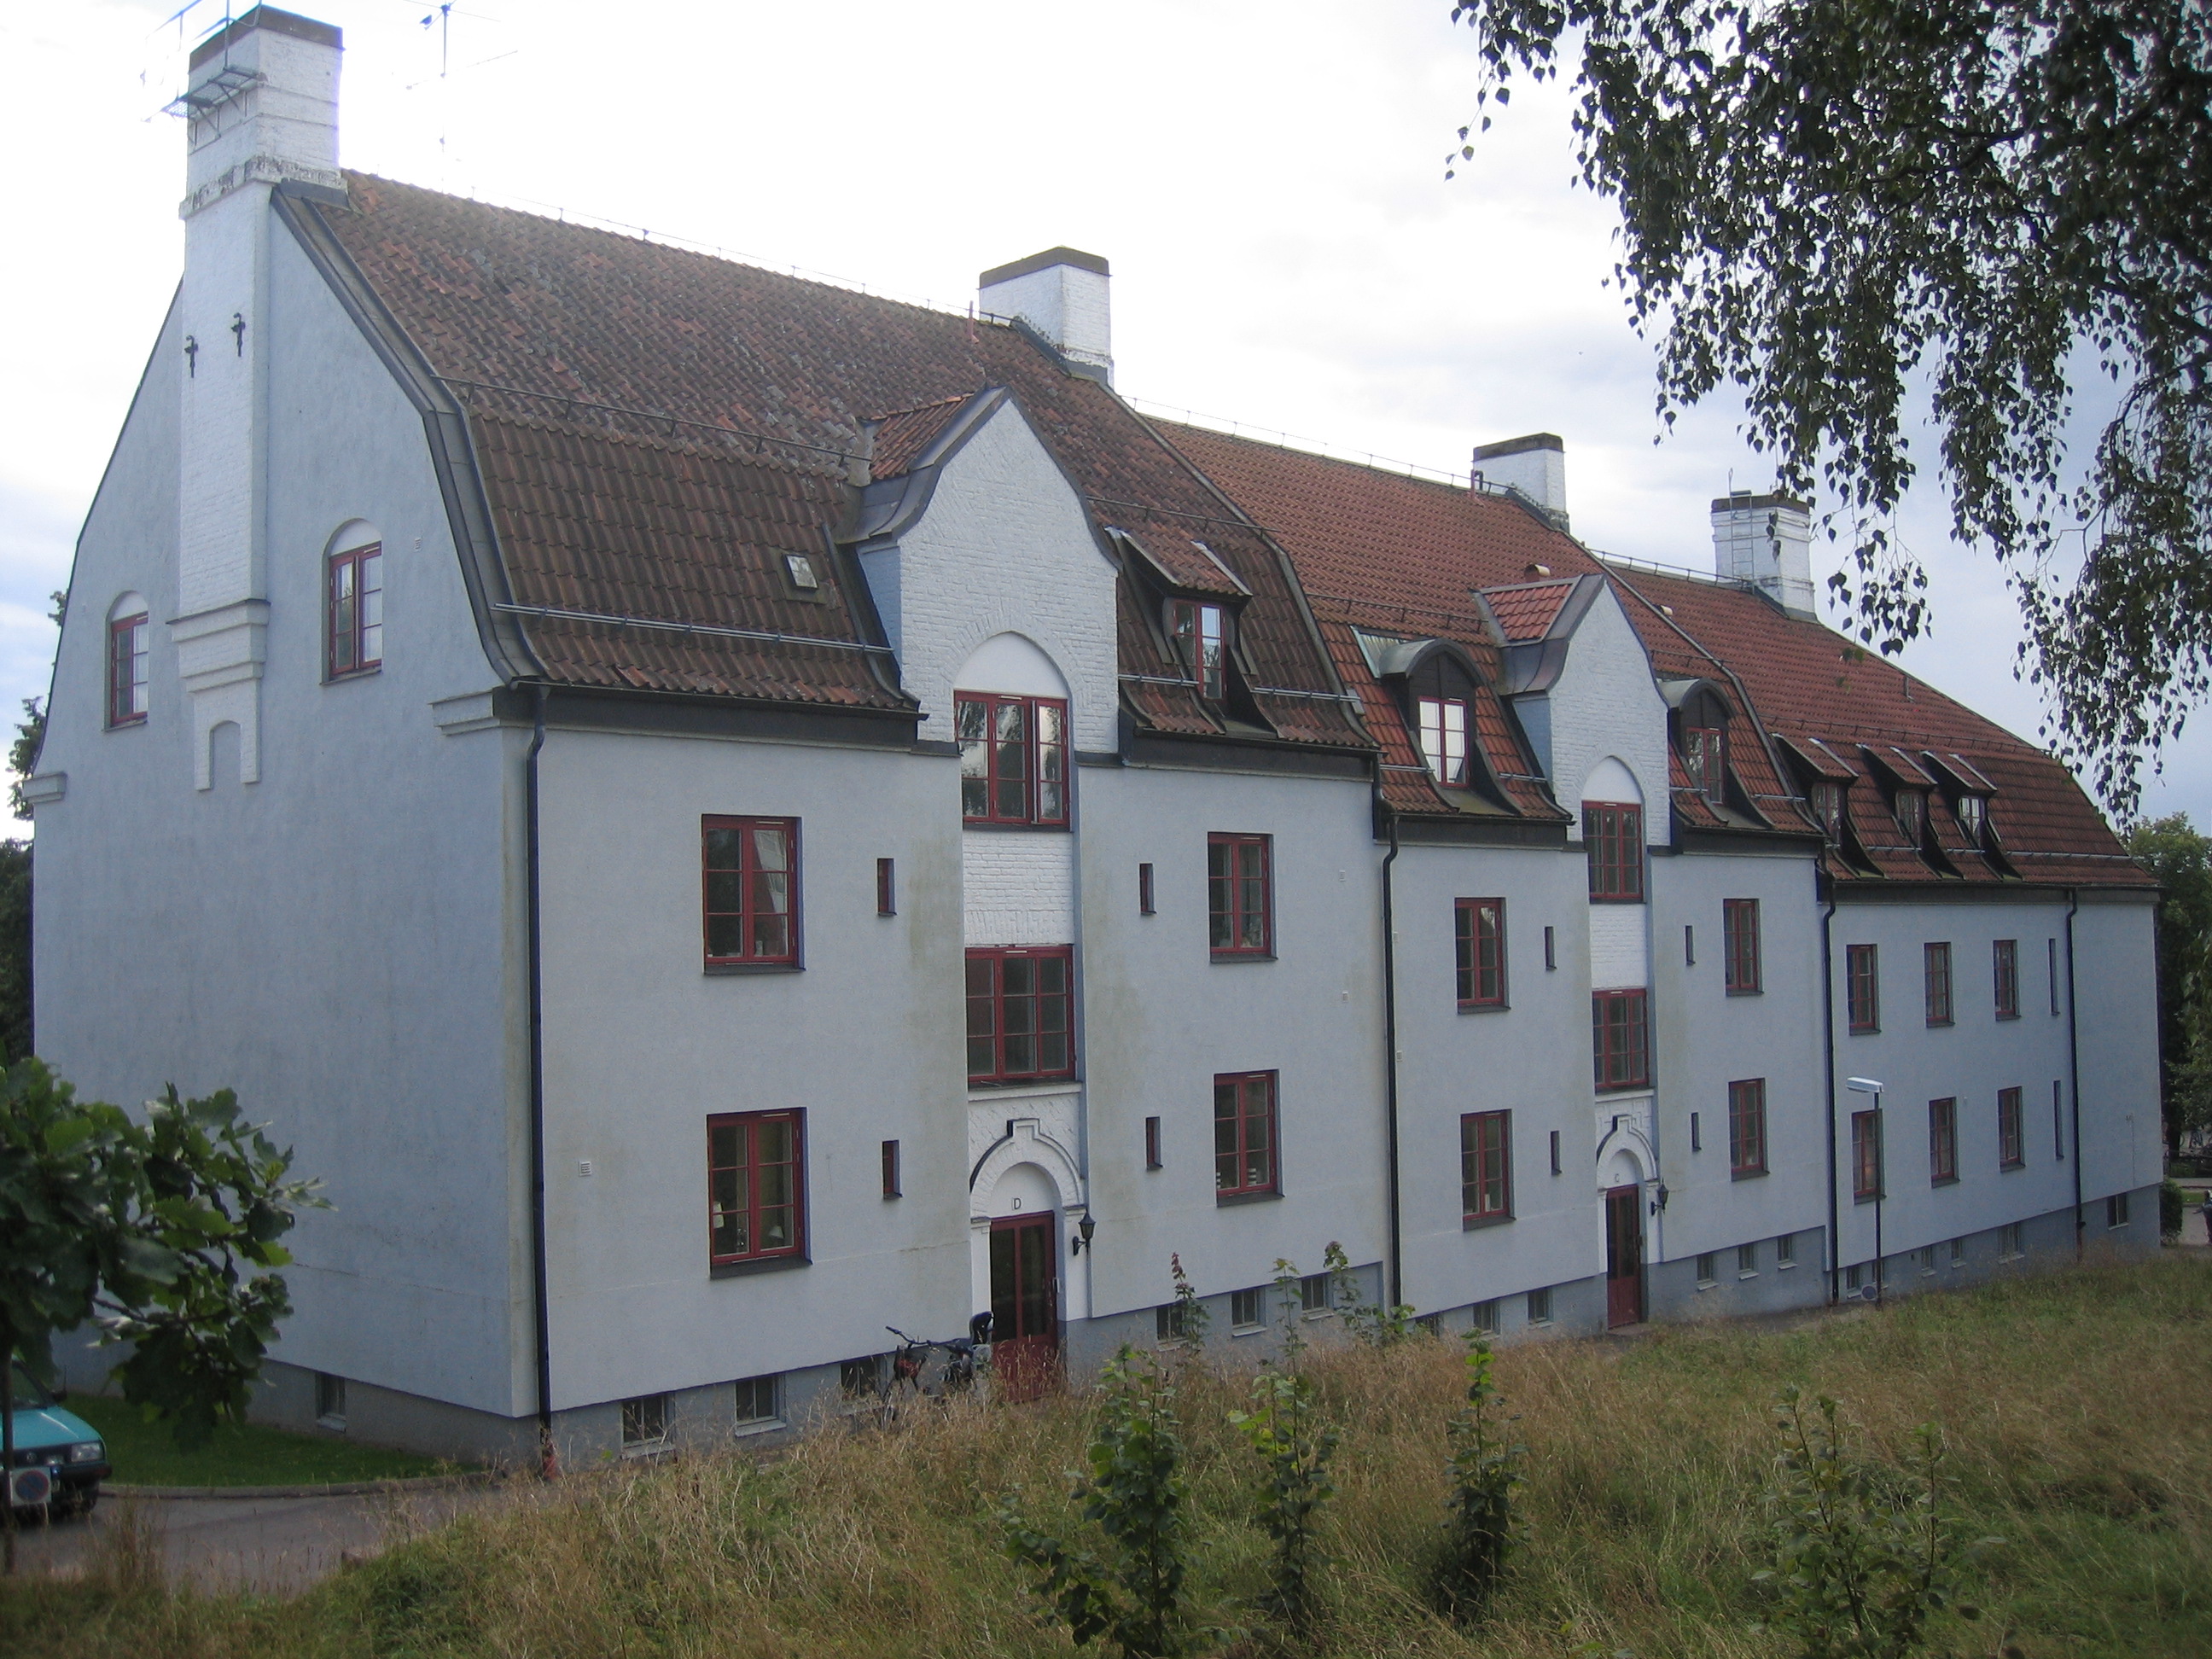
x=719 y=814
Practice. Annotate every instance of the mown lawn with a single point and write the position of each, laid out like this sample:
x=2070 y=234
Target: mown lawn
x=143 y=1454
x=2078 y=1407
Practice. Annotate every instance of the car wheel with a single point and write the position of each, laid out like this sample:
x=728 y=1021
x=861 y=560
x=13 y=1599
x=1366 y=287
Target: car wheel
x=76 y=1506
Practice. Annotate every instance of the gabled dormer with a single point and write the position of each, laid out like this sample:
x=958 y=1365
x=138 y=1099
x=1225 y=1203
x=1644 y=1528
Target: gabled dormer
x=1703 y=726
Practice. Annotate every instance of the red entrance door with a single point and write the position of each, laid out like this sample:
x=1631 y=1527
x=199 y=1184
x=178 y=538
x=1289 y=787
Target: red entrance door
x=1025 y=1305
x=1623 y=1256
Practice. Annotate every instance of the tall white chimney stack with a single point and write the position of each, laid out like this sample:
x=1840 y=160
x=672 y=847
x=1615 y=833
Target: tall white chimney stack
x=1062 y=294
x=260 y=105
x=1533 y=467
x=1766 y=541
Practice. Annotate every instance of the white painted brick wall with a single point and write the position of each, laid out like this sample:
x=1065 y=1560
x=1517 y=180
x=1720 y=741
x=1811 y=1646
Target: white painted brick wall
x=1020 y=889
x=1619 y=946
x=1605 y=703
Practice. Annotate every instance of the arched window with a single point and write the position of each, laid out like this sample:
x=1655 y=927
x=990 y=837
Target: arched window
x=128 y=636
x=353 y=600
x=1440 y=697
x=1704 y=744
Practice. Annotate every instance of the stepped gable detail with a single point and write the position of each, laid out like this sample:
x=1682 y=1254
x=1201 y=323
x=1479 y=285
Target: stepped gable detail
x=1838 y=711
x=581 y=356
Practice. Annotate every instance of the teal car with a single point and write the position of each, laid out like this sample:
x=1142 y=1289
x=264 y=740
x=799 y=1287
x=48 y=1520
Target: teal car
x=59 y=1458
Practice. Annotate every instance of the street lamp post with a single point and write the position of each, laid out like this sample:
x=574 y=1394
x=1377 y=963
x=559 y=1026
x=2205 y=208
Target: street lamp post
x=1867 y=1085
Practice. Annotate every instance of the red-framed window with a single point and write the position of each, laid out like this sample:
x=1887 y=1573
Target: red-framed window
x=1613 y=833
x=1747 y=1126
x=1479 y=941
x=1936 y=960
x=1014 y=758
x=1201 y=634
x=1620 y=1044
x=1485 y=1166
x=1942 y=1142
x=751 y=879
x=1742 y=966
x=1911 y=815
x=1866 y=1155
x=1021 y=1007
x=1243 y=1133
x=355 y=609
x=2004 y=955
x=1443 y=737
x=755 y=1187
x=1240 y=899
x=127 y=682
x=1704 y=753
x=1827 y=799
x=1863 y=988
x=2011 y=1138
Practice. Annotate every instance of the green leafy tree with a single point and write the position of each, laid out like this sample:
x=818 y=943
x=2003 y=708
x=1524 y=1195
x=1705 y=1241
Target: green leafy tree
x=1134 y=1493
x=16 y=890
x=2181 y=858
x=1481 y=1528
x=1864 y=1557
x=1285 y=1427
x=1835 y=205
x=164 y=1231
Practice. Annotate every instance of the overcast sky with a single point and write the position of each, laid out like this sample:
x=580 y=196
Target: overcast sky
x=1267 y=178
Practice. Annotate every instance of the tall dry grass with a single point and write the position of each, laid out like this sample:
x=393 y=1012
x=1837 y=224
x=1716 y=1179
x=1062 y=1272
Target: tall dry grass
x=2078 y=1406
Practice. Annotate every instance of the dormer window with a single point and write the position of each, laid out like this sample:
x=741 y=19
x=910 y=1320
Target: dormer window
x=1443 y=737
x=1911 y=810
x=1702 y=728
x=1200 y=636
x=1974 y=817
x=1828 y=808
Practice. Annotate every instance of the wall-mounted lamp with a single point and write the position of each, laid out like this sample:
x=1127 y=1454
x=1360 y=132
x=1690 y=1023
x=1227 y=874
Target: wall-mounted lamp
x=1659 y=1197
x=1085 y=1230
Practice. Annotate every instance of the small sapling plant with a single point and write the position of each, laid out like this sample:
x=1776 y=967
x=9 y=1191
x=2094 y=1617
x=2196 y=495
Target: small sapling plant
x=1864 y=1557
x=1480 y=1528
x=1189 y=1318
x=1286 y=1428
x=1129 y=1594
x=1375 y=1324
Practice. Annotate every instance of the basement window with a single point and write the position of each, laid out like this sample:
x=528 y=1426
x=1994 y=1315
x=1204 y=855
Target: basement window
x=645 y=1423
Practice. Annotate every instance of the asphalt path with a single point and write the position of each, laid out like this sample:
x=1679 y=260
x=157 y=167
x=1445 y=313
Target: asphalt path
x=264 y=1544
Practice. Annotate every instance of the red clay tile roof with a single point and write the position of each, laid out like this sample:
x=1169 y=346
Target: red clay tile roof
x=901 y=439
x=1821 y=695
x=1527 y=611
x=603 y=336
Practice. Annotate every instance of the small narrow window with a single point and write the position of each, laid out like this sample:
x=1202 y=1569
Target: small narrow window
x=2058 y=1123
x=1958 y=1252
x=1704 y=749
x=1697 y=1134
x=757 y=1400
x=1689 y=946
x=127 y=683
x=1747 y=1261
x=1613 y=834
x=1866 y=1155
x=1936 y=966
x=1708 y=1269
x=2004 y=955
x=1485 y=1166
x=1620 y=1049
x=1974 y=817
x=2051 y=965
x=645 y=1421
x=886 y=887
x=1483 y=1317
x=1912 y=815
x=1540 y=1306
x=890 y=1168
x=1747 y=1127
x=2115 y=1210
x=1785 y=1250
x=1153 y=1160
x=1828 y=810
x=1479 y=926
x=1243 y=1133
x=1146 y=905
x=1313 y=1295
x=1555 y=1151
x=356 y=610
x=1202 y=644
x=2009 y=1248
x=1246 y=1312
x=1863 y=988
x=1942 y=1142
x=2012 y=1146
x=329 y=1401
x=1240 y=899
x=1021 y=1013
x=755 y=1199
x=1550 y=952
x=1739 y=939
x=752 y=891
x=1854 y=1276
x=1443 y=737
x=1013 y=759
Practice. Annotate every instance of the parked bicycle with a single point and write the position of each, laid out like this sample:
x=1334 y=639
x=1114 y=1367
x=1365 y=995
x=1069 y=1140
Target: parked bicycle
x=910 y=1370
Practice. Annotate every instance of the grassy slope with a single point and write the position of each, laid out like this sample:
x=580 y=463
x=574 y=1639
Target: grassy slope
x=2077 y=1407
x=148 y=1454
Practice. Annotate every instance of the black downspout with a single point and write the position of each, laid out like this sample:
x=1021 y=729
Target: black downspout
x=2074 y=1071
x=1397 y=1288
x=1828 y=1053
x=548 y=1463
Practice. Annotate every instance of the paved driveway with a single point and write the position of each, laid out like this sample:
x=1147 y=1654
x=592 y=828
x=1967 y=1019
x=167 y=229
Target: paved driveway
x=258 y=1543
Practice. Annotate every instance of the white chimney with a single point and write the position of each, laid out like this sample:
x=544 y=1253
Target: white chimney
x=1766 y=541
x=1061 y=293
x=260 y=104
x=1534 y=466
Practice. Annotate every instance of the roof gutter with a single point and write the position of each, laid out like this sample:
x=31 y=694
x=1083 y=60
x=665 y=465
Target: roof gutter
x=549 y=1462
x=2074 y=1073
x=1397 y=1255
